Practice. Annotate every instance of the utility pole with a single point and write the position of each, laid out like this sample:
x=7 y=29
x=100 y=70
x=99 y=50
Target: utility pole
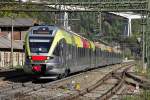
x=143 y=46
x=12 y=30
x=100 y=22
x=144 y=61
x=66 y=20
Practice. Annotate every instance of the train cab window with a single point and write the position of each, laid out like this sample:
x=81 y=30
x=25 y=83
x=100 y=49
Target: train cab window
x=39 y=47
x=40 y=44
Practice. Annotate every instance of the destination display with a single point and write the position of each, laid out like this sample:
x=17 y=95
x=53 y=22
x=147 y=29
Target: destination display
x=42 y=30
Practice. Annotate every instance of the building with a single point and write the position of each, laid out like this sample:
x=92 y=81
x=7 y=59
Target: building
x=20 y=27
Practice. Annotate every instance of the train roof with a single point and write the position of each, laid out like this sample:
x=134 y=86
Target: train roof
x=80 y=40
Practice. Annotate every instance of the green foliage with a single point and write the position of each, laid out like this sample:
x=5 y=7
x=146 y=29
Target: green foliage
x=112 y=27
x=136 y=27
x=10 y=14
x=127 y=53
x=145 y=95
x=6 y=0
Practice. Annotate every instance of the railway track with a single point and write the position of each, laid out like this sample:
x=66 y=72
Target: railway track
x=65 y=88
x=135 y=85
x=134 y=80
x=102 y=89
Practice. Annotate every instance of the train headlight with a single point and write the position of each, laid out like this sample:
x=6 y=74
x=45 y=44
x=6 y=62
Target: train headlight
x=48 y=58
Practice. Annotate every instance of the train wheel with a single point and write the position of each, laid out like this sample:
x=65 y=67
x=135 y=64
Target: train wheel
x=65 y=74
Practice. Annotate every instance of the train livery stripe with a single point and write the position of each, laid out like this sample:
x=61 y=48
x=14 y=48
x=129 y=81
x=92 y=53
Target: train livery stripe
x=85 y=43
x=60 y=35
x=27 y=45
x=67 y=37
x=92 y=45
x=78 y=41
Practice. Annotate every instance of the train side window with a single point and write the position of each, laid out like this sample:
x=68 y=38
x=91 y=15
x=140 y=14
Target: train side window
x=79 y=52
x=83 y=55
x=100 y=52
x=103 y=53
x=95 y=52
x=83 y=52
x=0 y=57
x=57 y=50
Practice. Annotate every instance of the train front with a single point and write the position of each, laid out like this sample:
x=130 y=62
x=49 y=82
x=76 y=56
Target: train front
x=38 y=60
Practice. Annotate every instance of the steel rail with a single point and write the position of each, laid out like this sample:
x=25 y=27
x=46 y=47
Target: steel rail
x=145 y=84
x=100 y=82
x=114 y=90
x=28 y=87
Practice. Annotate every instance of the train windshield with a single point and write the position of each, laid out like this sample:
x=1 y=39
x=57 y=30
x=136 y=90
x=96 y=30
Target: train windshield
x=40 y=46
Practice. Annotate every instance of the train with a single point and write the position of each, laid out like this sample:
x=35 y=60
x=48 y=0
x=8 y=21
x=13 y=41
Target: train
x=53 y=52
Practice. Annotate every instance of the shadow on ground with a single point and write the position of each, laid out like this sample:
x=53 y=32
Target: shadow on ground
x=18 y=76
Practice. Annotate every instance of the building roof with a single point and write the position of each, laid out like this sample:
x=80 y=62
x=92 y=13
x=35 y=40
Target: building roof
x=128 y=15
x=5 y=43
x=17 y=22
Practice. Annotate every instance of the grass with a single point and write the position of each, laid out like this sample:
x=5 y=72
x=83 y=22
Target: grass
x=145 y=95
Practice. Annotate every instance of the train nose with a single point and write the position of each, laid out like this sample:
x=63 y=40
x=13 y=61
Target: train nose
x=36 y=68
